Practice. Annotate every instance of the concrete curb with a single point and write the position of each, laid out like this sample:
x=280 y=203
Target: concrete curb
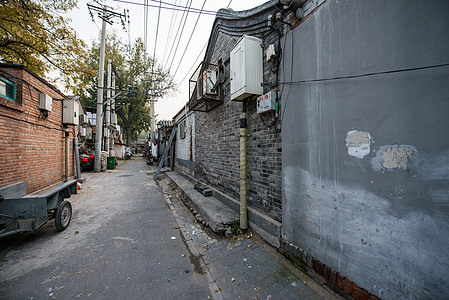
x=264 y=226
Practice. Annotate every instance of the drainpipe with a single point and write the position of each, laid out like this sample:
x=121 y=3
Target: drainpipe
x=77 y=158
x=243 y=173
x=67 y=160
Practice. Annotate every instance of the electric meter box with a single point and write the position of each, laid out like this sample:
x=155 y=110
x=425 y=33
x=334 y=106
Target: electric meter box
x=70 y=112
x=82 y=131
x=246 y=68
x=113 y=118
x=45 y=102
x=266 y=102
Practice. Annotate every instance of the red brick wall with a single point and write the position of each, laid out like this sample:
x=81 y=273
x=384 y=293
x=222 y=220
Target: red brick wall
x=32 y=145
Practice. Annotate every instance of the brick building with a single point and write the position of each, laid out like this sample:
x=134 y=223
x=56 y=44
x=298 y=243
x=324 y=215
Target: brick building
x=31 y=130
x=209 y=148
x=352 y=174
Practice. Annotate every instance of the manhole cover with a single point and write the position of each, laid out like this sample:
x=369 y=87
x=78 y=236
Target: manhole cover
x=126 y=175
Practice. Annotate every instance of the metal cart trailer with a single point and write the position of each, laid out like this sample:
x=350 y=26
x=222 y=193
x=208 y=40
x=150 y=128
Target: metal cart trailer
x=20 y=212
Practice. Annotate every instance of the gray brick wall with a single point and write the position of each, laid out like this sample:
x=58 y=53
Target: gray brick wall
x=218 y=142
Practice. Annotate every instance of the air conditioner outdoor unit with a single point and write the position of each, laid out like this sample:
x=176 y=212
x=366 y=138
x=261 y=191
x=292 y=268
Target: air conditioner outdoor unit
x=209 y=82
x=84 y=119
x=45 y=102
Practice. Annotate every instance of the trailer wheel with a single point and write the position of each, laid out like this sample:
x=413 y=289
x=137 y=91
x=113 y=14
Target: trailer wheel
x=63 y=215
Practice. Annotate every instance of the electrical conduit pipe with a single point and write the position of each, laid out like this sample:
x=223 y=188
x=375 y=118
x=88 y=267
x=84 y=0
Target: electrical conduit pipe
x=67 y=161
x=243 y=173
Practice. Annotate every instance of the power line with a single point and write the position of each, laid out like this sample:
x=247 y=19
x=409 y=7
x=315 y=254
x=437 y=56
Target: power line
x=155 y=41
x=179 y=40
x=190 y=38
x=176 y=35
x=192 y=10
x=170 y=6
x=196 y=60
x=169 y=32
x=363 y=75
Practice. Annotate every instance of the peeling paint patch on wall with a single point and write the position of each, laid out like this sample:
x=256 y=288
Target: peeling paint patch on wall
x=394 y=157
x=358 y=143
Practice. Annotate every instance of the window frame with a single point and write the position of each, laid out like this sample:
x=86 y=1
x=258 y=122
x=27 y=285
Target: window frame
x=182 y=129
x=7 y=82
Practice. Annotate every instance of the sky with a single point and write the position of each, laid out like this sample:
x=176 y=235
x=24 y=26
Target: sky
x=169 y=22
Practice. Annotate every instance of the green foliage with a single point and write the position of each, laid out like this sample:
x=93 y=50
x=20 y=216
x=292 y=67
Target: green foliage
x=136 y=71
x=35 y=34
x=235 y=228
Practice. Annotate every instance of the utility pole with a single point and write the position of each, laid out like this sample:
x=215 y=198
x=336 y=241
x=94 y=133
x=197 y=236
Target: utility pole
x=107 y=116
x=106 y=15
x=113 y=111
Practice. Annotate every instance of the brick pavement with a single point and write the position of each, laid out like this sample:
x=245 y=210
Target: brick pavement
x=244 y=268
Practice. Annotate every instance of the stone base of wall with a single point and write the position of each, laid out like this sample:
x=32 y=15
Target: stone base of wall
x=321 y=272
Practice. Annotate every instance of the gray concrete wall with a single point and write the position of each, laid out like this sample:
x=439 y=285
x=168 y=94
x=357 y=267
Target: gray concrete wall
x=366 y=158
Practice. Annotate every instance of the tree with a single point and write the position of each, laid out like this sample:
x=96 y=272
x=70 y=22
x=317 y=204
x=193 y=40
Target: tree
x=140 y=80
x=35 y=33
x=150 y=81
x=115 y=50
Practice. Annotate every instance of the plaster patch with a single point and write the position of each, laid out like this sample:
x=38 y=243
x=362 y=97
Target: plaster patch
x=358 y=143
x=394 y=157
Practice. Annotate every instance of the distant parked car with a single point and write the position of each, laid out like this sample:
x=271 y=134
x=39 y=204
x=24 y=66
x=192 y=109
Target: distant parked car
x=87 y=162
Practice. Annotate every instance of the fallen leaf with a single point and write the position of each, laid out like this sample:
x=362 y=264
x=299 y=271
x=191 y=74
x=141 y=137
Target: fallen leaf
x=128 y=278
x=118 y=273
x=233 y=279
x=66 y=237
x=187 y=271
x=79 y=295
x=77 y=273
x=1 y=269
x=56 y=252
x=219 y=289
x=250 y=245
x=176 y=227
x=76 y=232
x=92 y=219
x=183 y=255
x=106 y=262
x=60 y=288
x=88 y=295
x=169 y=267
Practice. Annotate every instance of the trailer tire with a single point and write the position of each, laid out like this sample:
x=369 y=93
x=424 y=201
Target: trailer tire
x=63 y=215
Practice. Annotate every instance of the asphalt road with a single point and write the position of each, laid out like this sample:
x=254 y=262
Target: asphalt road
x=123 y=243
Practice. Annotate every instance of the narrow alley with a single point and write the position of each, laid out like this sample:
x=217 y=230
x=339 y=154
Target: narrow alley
x=131 y=239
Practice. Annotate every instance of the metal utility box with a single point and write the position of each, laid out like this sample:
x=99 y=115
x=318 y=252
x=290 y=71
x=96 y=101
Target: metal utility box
x=70 y=112
x=82 y=131
x=266 y=102
x=45 y=102
x=246 y=61
x=113 y=118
